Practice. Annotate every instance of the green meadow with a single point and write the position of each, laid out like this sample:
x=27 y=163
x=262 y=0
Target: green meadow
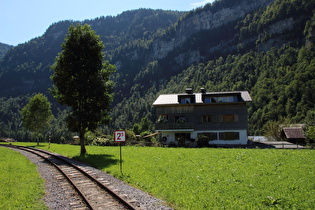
x=209 y=178
x=21 y=186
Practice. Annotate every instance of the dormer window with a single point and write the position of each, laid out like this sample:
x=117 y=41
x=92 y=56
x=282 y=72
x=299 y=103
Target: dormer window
x=220 y=99
x=187 y=99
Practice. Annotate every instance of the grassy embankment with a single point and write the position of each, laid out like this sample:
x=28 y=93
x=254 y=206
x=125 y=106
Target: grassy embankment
x=207 y=178
x=21 y=186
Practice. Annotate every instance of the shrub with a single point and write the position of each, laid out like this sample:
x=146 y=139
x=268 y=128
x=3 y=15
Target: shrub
x=102 y=141
x=130 y=135
x=310 y=136
x=202 y=141
x=89 y=137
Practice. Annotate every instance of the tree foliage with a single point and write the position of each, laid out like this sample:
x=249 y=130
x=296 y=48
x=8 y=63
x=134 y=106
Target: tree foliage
x=36 y=114
x=4 y=48
x=81 y=80
x=310 y=136
x=144 y=126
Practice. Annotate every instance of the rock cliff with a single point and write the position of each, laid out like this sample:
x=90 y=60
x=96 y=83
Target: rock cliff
x=204 y=20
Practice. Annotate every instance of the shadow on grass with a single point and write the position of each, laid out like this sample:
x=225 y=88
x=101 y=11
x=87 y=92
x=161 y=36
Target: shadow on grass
x=38 y=146
x=99 y=161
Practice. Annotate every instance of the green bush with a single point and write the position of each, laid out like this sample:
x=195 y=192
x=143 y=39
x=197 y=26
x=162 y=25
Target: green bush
x=130 y=135
x=89 y=137
x=202 y=141
x=103 y=141
x=310 y=136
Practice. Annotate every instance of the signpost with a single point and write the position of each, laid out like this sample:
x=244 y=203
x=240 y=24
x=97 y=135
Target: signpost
x=49 y=138
x=120 y=136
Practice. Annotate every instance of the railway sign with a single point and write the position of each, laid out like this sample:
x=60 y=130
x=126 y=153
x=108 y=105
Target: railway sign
x=120 y=136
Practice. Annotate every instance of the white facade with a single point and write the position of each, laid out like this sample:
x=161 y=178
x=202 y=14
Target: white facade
x=169 y=137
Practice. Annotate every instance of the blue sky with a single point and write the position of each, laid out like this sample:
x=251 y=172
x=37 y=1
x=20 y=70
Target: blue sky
x=22 y=20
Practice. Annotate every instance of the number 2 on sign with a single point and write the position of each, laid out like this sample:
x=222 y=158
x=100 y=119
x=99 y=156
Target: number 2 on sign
x=120 y=136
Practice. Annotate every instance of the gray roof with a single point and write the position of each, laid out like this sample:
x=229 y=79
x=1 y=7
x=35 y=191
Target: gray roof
x=170 y=99
x=294 y=133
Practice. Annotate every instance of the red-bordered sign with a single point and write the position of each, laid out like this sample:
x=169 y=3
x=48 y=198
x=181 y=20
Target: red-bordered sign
x=120 y=136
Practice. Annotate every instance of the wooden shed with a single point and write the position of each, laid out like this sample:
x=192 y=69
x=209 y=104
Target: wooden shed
x=293 y=134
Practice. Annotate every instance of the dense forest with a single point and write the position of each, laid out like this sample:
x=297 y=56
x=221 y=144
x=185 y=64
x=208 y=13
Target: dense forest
x=265 y=47
x=4 y=48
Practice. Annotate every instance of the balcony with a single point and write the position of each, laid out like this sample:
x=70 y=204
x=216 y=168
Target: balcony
x=174 y=125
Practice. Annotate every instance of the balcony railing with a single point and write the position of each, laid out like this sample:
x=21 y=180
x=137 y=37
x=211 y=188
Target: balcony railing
x=174 y=125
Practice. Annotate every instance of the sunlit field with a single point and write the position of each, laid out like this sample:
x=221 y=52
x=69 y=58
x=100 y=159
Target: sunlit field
x=21 y=186
x=209 y=178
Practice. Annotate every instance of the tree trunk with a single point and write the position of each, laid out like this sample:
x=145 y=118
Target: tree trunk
x=83 y=150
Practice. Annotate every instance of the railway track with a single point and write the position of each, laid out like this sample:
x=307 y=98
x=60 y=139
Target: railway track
x=93 y=192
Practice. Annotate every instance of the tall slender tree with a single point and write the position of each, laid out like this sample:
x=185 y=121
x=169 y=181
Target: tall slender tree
x=81 y=81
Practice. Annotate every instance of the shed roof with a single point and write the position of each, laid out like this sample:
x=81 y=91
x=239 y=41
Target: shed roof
x=294 y=133
x=170 y=99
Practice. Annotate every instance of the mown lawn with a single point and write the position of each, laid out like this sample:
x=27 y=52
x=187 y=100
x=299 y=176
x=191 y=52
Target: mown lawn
x=207 y=178
x=21 y=186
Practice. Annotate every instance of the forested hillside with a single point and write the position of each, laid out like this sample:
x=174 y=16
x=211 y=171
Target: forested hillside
x=245 y=54
x=4 y=48
x=26 y=68
x=263 y=46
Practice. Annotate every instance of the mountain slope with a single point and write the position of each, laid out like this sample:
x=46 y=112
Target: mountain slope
x=280 y=25
x=262 y=46
x=4 y=48
x=26 y=68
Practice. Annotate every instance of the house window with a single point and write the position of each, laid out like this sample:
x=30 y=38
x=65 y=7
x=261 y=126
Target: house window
x=227 y=99
x=207 y=99
x=207 y=118
x=211 y=136
x=180 y=119
x=186 y=99
x=220 y=99
x=213 y=100
x=229 y=136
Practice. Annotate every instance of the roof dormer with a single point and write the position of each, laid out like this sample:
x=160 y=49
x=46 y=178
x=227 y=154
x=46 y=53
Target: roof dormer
x=222 y=98
x=186 y=99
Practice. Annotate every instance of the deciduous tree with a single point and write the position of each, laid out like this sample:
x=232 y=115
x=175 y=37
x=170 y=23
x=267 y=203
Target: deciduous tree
x=81 y=81
x=36 y=114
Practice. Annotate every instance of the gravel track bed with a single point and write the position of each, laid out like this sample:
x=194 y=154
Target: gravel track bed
x=60 y=197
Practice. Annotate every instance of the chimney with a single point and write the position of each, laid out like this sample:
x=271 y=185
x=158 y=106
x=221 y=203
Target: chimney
x=189 y=90
x=203 y=90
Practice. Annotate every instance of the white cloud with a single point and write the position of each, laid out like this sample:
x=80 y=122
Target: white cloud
x=200 y=3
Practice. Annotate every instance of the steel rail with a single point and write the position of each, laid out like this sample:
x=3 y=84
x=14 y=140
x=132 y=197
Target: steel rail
x=86 y=201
